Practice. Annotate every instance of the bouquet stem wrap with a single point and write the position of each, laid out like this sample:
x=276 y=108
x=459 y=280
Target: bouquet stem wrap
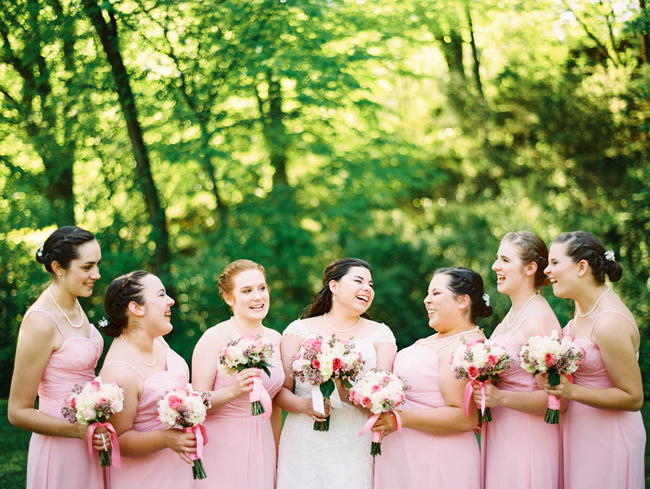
x=484 y=414
x=260 y=400
x=375 y=447
x=201 y=439
x=319 y=393
x=105 y=457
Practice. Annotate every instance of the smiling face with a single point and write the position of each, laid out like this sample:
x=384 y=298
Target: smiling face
x=156 y=305
x=511 y=272
x=250 y=298
x=353 y=290
x=562 y=271
x=82 y=273
x=443 y=306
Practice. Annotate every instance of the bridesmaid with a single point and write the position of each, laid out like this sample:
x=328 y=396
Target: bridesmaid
x=436 y=448
x=602 y=431
x=139 y=360
x=519 y=450
x=57 y=349
x=338 y=457
x=242 y=449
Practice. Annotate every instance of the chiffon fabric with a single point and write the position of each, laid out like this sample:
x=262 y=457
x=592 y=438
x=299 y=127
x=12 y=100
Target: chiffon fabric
x=241 y=450
x=55 y=462
x=519 y=450
x=415 y=459
x=603 y=449
x=163 y=469
x=334 y=459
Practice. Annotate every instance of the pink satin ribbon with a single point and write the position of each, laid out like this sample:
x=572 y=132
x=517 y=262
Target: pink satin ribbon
x=553 y=402
x=376 y=435
x=116 y=459
x=469 y=392
x=259 y=393
x=201 y=439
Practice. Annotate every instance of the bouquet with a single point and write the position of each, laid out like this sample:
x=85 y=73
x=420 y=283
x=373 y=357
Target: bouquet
x=92 y=404
x=250 y=351
x=554 y=356
x=185 y=409
x=319 y=362
x=379 y=391
x=479 y=361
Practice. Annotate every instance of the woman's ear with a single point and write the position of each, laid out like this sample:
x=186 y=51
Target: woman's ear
x=135 y=309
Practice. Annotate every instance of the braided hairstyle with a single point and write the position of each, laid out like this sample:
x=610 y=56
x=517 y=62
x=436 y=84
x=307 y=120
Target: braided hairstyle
x=582 y=245
x=531 y=249
x=322 y=300
x=61 y=246
x=121 y=291
x=464 y=281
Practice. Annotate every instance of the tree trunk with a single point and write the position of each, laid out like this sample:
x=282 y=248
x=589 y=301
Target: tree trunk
x=476 y=65
x=645 y=38
x=108 y=37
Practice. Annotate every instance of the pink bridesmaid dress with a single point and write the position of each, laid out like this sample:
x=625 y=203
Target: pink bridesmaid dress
x=241 y=453
x=163 y=469
x=603 y=449
x=519 y=450
x=415 y=459
x=55 y=462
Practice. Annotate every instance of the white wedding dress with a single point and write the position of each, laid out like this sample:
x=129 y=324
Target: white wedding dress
x=334 y=459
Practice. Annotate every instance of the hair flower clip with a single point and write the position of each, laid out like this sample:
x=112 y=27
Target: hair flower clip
x=39 y=253
x=610 y=256
x=486 y=299
x=103 y=322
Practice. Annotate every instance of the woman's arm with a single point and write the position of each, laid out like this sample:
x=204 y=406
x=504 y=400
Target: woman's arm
x=385 y=355
x=37 y=340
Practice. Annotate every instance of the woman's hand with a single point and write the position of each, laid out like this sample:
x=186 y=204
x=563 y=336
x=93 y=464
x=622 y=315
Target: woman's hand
x=563 y=390
x=181 y=442
x=101 y=438
x=244 y=382
x=307 y=408
x=386 y=424
x=493 y=396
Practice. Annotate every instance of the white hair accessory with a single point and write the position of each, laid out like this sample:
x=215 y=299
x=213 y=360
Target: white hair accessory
x=486 y=299
x=610 y=256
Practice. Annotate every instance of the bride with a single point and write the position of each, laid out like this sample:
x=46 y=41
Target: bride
x=338 y=457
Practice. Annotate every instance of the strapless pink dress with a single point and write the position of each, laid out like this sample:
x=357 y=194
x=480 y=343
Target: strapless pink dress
x=603 y=449
x=55 y=462
x=519 y=450
x=163 y=469
x=241 y=452
x=415 y=459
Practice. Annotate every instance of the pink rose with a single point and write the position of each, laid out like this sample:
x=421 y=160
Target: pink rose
x=366 y=402
x=315 y=363
x=492 y=359
x=375 y=388
x=472 y=372
x=95 y=384
x=175 y=402
x=336 y=364
x=73 y=403
x=549 y=359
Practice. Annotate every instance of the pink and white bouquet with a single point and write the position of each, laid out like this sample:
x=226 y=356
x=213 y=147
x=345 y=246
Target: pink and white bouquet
x=554 y=356
x=250 y=351
x=479 y=361
x=319 y=362
x=92 y=404
x=379 y=391
x=185 y=408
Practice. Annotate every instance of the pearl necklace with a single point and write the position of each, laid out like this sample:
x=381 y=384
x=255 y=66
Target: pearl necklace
x=243 y=331
x=135 y=352
x=515 y=320
x=437 y=339
x=81 y=321
x=327 y=321
x=607 y=289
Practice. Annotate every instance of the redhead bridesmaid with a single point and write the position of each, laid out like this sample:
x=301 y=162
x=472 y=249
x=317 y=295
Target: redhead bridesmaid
x=241 y=452
x=436 y=448
x=519 y=450
x=139 y=311
x=602 y=430
x=57 y=349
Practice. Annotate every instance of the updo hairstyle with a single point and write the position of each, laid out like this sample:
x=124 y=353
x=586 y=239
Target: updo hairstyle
x=226 y=282
x=465 y=281
x=582 y=245
x=121 y=291
x=531 y=249
x=61 y=246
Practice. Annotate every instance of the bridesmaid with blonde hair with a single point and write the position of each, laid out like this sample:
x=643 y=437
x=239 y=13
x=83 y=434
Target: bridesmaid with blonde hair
x=241 y=452
x=603 y=436
x=519 y=450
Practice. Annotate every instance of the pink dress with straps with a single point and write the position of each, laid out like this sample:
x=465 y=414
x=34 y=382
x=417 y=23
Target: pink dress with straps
x=416 y=459
x=163 y=469
x=603 y=448
x=241 y=452
x=55 y=462
x=518 y=450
